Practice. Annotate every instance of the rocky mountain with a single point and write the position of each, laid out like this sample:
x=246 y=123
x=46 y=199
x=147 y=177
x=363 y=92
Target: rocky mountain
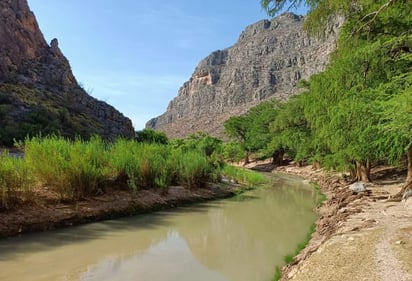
x=267 y=61
x=38 y=91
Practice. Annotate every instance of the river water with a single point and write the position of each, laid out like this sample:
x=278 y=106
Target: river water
x=239 y=239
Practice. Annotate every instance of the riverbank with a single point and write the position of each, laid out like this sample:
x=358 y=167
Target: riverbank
x=47 y=213
x=361 y=236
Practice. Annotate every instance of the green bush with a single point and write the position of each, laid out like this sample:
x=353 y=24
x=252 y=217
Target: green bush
x=144 y=165
x=76 y=168
x=193 y=169
x=16 y=182
x=243 y=175
x=72 y=169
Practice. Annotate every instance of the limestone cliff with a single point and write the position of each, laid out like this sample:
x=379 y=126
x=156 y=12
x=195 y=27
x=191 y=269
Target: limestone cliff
x=36 y=77
x=268 y=60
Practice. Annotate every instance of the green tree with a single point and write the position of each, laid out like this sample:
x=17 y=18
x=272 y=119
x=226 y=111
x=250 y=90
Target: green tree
x=237 y=127
x=251 y=130
x=396 y=124
x=151 y=136
x=290 y=132
x=343 y=105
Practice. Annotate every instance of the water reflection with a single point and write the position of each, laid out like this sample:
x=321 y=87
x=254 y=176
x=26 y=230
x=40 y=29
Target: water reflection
x=224 y=240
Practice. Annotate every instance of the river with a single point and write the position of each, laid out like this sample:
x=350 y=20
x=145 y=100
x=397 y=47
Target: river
x=240 y=239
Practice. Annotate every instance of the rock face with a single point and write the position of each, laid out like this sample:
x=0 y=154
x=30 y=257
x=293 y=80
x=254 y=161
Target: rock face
x=28 y=62
x=268 y=60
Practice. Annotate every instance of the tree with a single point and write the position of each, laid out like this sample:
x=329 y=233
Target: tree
x=397 y=123
x=151 y=136
x=366 y=76
x=237 y=127
x=290 y=131
x=251 y=130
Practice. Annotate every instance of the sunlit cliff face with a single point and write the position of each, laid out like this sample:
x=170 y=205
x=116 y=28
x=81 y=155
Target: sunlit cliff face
x=267 y=61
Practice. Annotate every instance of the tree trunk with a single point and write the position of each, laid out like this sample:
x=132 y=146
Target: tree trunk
x=299 y=163
x=247 y=161
x=409 y=156
x=408 y=182
x=316 y=165
x=278 y=157
x=363 y=171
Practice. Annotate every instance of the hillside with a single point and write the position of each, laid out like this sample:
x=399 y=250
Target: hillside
x=267 y=61
x=38 y=91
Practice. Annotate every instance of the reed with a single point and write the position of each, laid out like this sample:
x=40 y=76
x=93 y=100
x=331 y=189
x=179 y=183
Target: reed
x=16 y=181
x=243 y=176
x=143 y=164
x=193 y=169
x=73 y=169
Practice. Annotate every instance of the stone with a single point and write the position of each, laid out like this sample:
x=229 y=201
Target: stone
x=268 y=60
x=407 y=194
x=28 y=62
x=357 y=187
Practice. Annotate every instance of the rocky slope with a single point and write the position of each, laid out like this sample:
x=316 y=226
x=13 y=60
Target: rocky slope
x=268 y=60
x=36 y=79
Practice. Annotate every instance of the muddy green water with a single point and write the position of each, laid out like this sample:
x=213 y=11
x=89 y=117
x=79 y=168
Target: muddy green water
x=239 y=239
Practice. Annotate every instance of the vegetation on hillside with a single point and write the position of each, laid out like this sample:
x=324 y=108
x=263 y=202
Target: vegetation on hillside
x=29 y=112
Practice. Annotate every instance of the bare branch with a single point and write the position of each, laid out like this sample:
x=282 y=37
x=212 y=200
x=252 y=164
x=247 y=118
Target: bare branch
x=373 y=15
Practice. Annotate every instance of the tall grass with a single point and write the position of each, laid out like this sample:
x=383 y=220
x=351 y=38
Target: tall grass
x=16 y=181
x=144 y=165
x=194 y=169
x=243 y=175
x=73 y=169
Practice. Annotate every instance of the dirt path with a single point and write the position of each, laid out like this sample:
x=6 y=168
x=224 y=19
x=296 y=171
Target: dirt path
x=372 y=243
x=358 y=237
x=397 y=223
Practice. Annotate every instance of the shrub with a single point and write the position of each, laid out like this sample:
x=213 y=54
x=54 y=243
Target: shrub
x=72 y=169
x=144 y=165
x=193 y=169
x=16 y=181
x=243 y=175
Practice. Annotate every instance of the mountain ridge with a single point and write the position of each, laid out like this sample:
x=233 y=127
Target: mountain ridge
x=36 y=79
x=267 y=61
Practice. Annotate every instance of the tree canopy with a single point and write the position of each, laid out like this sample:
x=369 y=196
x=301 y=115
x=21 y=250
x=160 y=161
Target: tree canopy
x=359 y=110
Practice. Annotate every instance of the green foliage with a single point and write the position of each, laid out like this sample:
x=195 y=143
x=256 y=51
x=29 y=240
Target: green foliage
x=232 y=152
x=194 y=169
x=72 y=169
x=251 y=130
x=396 y=118
x=151 y=136
x=77 y=169
x=359 y=109
x=201 y=142
x=243 y=176
x=290 y=130
x=144 y=165
x=278 y=274
x=16 y=182
x=31 y=112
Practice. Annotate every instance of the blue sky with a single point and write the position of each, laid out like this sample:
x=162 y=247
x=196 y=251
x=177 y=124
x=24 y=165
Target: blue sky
x=135 y=54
